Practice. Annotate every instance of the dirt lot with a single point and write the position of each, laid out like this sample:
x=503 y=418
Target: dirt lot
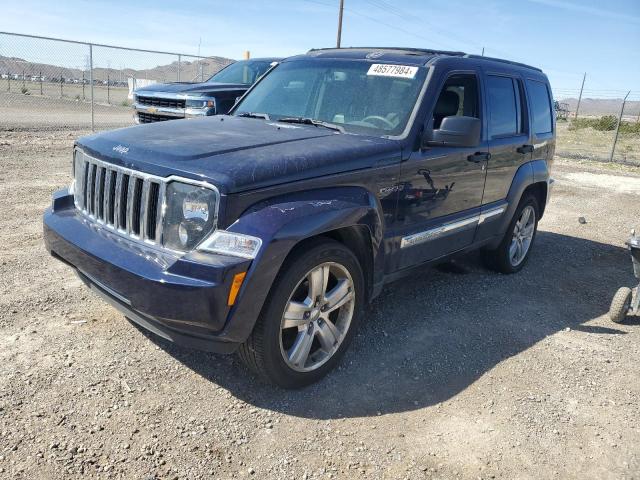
x=453 y=375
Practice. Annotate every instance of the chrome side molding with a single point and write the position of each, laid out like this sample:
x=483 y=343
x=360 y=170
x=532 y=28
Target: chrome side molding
x=451 y=227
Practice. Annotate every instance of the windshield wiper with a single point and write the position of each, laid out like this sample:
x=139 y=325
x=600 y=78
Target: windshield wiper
x=312 y=121
x=264 y=116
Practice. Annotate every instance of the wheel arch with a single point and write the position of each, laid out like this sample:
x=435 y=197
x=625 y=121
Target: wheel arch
x=349 y=215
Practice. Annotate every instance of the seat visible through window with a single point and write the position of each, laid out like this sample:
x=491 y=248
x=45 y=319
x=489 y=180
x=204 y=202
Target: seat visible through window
x=459 y=96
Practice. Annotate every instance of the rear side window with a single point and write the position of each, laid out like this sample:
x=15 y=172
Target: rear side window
x=540 y=106
x=505 y=117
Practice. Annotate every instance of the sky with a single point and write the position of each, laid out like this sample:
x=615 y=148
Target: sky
x=565 y=38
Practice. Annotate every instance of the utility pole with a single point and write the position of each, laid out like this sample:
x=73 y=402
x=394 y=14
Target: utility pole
x=615 y=139
x=340 y=12
x=580 y=97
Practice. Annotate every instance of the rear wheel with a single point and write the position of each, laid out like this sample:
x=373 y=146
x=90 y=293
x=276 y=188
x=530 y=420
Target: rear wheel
x=309 y=318
x=514 y=249
x=620 y=304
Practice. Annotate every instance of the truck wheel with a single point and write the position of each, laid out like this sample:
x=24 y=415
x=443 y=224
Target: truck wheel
x=514 y=249
x=310 y=316
x=620 y=304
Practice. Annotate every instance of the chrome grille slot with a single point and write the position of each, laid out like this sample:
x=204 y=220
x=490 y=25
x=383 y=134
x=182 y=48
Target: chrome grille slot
x=136 y=203
x=124 y=199
x=152 y=216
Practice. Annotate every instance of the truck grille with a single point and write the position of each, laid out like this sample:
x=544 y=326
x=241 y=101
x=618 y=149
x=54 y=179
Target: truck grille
x=125 y=200
x=144 y=117
x=161 y=102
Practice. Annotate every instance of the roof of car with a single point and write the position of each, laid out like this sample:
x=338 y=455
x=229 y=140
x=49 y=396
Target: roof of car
x=411 y=56
x=265 y=59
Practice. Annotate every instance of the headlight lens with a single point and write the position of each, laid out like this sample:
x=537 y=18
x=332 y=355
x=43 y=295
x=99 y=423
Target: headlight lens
x=229 y=243
x=190 y=215
x=199 y=103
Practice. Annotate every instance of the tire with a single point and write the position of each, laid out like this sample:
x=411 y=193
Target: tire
x=275 y=351
x=620 y=305
x=502 y=259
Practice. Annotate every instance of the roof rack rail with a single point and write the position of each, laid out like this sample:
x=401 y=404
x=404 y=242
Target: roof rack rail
x=502 y=60
x=411 y=50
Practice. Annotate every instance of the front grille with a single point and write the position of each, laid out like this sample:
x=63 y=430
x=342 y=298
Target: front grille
x=123 y=199
x=161 y=102
x=144 y=117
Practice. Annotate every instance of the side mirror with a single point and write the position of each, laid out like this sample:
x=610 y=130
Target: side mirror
x=455 y=131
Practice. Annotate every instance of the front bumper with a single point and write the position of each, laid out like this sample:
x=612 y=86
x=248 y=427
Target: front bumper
x=181 y=298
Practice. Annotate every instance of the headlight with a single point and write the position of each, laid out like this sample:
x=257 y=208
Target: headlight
x=229 y=243
x=199 y=103
x=190 y=215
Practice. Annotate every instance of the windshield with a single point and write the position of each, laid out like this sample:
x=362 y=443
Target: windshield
x=359 y=96
x=244 y=71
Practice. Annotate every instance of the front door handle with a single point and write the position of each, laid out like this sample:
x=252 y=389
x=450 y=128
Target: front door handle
x=479 y=157
x=525 y=149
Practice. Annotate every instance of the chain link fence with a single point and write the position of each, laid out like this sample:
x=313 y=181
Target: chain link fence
x=53 y=83
x=600 y=125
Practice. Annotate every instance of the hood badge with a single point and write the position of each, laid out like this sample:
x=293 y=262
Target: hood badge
x=122 y=150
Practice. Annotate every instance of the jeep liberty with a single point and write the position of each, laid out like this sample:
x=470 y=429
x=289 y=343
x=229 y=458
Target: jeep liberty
x=267 y=230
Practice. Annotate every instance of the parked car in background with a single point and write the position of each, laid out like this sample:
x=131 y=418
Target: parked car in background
x=171 y=101
x=266 y=231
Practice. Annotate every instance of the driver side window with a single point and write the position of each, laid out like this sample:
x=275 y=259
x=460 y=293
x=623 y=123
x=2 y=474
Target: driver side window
x=458 y=97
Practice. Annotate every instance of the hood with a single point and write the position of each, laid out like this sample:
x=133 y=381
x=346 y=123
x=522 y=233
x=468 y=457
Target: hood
x=238 y=154
x=186 y=87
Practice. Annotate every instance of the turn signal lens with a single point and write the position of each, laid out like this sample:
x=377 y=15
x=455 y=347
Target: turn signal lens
x=238 y=278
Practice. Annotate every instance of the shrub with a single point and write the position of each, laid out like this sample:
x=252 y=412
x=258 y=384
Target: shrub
x=605 y=123
x=24 y=90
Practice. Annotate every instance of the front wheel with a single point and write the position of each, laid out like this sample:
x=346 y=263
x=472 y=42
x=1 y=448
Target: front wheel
x=309 y=318
x=514 y=249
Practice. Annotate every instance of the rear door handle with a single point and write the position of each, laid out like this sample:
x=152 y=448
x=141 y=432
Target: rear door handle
x=479 y=157
x=525 y=149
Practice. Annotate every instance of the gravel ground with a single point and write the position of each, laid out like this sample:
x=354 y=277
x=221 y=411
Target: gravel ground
x=456 y=373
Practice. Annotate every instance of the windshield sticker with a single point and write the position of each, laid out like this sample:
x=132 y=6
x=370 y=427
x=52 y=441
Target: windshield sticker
x=400 y=71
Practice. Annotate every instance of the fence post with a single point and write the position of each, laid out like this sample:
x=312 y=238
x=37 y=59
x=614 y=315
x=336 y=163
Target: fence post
x=584 y=77
x=108 y=95
x=615 y=138
x=83 y=79
x=23 y=86
x=179 y=64
x=8 y=81
x=61 y=81
x=41 y=94
x=91 y=82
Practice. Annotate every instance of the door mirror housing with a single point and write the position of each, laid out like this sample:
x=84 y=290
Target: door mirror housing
x=456 y=131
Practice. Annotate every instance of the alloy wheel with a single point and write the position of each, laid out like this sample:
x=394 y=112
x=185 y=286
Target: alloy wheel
x=317 y=317
x=523 y=232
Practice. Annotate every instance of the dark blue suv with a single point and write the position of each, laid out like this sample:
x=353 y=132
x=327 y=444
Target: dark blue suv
x=267 y=230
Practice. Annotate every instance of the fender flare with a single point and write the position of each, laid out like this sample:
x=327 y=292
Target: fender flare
x=528 y=174
x=282 y=223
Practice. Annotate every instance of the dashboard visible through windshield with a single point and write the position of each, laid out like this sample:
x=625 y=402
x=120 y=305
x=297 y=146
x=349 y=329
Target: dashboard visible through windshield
x=356 y=96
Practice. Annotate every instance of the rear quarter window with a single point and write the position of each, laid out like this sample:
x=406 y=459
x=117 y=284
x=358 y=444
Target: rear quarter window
x=540 y=106
x=505 y=116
